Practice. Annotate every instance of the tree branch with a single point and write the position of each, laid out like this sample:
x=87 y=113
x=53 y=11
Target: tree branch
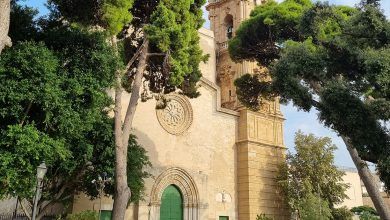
x=26 y=212
x=135 y=94
x=26 y=113
x=156 y=54
x=135 y=56
x=46 y=203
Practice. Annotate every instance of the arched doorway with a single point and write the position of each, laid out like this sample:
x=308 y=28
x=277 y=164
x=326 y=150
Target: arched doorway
x=171 y=204
x=183 y=185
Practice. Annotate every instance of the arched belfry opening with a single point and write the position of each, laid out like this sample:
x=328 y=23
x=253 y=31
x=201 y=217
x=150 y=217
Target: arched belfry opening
x=174 y=189
x=229 y=26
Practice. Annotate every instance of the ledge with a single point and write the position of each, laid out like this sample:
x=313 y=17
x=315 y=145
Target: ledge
x=213 y=86
x=260 y=143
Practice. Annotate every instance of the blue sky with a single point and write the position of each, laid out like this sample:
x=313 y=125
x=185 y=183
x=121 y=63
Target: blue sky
x=295 y=120
x=307 y=122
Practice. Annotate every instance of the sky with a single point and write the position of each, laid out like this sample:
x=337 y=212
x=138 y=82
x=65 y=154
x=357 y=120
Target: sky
x=295 y=120
x=308 y=122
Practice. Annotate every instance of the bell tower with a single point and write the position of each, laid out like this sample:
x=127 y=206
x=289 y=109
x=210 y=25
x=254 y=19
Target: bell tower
x=225 y=17
x=260 y=146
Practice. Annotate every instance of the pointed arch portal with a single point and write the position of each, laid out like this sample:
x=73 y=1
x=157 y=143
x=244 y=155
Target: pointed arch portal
x=174 y=196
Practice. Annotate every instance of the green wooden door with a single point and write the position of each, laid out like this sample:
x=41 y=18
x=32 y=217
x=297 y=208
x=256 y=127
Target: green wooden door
x=105 y=215
x=171 y=204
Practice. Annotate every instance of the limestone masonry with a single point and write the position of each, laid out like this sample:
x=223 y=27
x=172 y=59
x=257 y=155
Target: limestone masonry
x=212 y=158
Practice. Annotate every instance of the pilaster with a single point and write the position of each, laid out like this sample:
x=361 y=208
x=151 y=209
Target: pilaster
x=260 y=152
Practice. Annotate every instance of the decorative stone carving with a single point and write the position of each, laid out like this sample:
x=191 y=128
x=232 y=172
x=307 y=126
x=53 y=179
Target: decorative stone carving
x=182 y=180
x=177 y=116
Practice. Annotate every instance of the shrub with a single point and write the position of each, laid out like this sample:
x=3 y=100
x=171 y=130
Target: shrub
x=84 y=215
x=263 y=217
x=368 y=216
x=342 y=213
x=365 y=212
x=360 y=209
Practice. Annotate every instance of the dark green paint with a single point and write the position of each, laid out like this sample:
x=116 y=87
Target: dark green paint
x=105 y=215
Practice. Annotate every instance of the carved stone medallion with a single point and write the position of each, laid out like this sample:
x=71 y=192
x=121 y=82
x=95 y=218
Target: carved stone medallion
x=176 y=117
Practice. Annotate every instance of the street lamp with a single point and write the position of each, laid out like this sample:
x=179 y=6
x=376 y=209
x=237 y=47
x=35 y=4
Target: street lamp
x=41 y=172
x=100 y=184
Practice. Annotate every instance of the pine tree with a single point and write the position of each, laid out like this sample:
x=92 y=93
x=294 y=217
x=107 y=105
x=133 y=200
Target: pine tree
x=161 y=47
x=331 y=58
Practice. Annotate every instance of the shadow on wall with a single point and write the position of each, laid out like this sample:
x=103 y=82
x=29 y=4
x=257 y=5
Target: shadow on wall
x=149 y=145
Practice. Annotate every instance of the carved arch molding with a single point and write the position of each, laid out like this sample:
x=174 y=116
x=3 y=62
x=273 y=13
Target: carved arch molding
x=181 y=179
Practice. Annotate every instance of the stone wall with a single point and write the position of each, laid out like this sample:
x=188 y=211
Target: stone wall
x=204 y=153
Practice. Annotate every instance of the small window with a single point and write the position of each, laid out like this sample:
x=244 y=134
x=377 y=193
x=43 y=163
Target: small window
x=223 y=217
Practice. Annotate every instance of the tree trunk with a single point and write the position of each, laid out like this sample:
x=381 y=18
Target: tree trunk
x=364 y=173
x=368 y=180
x=5 y=7
x=26 y=210
x=122 y=135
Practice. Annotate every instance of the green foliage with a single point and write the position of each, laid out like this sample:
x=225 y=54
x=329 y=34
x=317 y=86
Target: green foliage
x=368 y=216
x=360 y=209
x=26 y=147
x=113 y=15
x=170 y=26
x=86 y=12
x=85 y=215
x=313 y=207
x=54 y=108
x=116 y=14
x=102 y=161
x=256 y=90
x=263 y=217
x=342 y=213
x=270 y=23
x=332 y=58
x=173 y=29
x=22 y=23
x=310 y=180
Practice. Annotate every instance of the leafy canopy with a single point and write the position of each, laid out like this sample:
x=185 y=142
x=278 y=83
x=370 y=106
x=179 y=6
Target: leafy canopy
x=310 y=181
x=54 y=108
x=173 y=29
x=332 y=58
x=170 y=27
x=112 y=15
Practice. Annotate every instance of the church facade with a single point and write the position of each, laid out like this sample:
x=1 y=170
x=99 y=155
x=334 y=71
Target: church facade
x=212 y=158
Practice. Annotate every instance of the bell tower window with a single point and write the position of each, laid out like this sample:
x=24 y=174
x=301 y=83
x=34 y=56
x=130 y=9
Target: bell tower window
x=229 y=26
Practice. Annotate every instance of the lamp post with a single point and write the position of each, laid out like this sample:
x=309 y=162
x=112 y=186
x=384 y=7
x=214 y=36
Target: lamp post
x=100 y=184
x=41 y=172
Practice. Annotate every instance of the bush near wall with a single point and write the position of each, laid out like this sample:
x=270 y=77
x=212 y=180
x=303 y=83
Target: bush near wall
x=85 y=215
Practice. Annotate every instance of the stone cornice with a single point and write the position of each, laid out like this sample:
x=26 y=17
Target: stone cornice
x=260 y=144
x=214 y=3
x=207 y=83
